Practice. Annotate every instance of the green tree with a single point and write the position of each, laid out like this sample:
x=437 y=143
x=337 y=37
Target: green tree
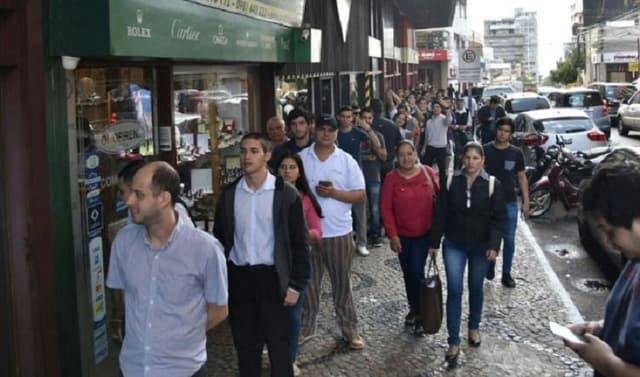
x=567 y=71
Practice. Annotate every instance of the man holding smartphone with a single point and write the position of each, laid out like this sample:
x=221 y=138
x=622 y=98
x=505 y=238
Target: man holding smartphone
x=338 y=183
x=610 y=203
x=488 y=115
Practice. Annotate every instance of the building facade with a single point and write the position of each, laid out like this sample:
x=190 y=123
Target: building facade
x=515 y=41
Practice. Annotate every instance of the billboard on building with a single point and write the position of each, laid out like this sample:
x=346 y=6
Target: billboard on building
x=286 y=12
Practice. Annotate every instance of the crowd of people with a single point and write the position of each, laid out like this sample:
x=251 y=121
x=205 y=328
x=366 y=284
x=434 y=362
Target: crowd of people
x=314 y=194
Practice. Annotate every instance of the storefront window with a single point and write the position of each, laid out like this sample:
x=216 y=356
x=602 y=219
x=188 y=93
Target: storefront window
x=196 y=89
x=114 y=125
x=292 y=93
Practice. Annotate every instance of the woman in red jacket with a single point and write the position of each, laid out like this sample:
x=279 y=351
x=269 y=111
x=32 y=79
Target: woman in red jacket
x=407 y=211
x=291 y=170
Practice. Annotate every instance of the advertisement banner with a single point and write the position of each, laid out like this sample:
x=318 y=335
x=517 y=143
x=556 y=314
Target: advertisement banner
x=469 y=65
x=286 y=12
x=433 y=55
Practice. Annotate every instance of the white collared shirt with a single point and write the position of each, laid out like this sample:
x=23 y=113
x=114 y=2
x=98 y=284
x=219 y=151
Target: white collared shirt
x=253 y=236
x=345 y=174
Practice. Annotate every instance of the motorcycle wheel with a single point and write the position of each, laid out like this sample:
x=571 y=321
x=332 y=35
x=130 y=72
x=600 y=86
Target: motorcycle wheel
x=540 y=201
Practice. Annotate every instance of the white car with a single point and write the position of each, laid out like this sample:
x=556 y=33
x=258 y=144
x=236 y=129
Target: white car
x=538 y=128
x=629 y=115
x=517 y=103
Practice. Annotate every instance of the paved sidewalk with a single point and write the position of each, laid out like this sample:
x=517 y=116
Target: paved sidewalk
x=515 y=336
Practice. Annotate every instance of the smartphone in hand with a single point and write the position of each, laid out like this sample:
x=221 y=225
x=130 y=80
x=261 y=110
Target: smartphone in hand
x=565 y=333
x=325 y=183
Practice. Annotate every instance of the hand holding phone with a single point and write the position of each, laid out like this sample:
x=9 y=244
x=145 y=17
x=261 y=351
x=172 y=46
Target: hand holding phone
x=325 y=183
x=565 y=333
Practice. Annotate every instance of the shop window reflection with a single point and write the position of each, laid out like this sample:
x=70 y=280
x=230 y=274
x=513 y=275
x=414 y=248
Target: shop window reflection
x=196 y=89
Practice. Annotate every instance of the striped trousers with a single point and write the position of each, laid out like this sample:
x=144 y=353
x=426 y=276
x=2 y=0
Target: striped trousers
x=336 y=255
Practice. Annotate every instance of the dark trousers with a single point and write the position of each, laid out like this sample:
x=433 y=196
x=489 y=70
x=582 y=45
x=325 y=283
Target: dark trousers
x=257 y=316
x=202 y=372
x=439 y=157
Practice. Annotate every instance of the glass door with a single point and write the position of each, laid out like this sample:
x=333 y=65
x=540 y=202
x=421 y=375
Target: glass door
x=114 y=125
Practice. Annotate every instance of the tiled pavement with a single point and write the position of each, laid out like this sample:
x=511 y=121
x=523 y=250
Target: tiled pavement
x=515 y=336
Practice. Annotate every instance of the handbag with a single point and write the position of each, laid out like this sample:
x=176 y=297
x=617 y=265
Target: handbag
x=431 y=311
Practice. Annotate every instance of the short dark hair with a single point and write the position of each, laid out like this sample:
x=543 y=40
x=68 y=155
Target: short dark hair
x=345 y=108
x=165 y=178
x=266 y=144
x=129 y=170
x=506 y=121
x=612 y=192
x=494 y=99
x=297 y=113
x=367 y=109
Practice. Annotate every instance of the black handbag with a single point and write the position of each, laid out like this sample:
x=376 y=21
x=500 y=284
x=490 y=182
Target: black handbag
x=431 y=311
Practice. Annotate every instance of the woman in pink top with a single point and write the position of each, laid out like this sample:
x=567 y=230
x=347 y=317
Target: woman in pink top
x=407 y=202
x=291 y=170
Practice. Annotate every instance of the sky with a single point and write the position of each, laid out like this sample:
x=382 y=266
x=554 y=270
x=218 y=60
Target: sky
x=554 y=24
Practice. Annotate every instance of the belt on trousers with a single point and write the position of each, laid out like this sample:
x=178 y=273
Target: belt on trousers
x=253 y=267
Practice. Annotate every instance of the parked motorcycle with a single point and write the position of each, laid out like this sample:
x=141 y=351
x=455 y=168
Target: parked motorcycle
x=566 y=172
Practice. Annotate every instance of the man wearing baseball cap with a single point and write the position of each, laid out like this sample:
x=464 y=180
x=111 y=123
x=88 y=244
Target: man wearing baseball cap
x=337 y=182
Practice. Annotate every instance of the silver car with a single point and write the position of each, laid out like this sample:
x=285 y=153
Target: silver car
x=590 y=101
x=629 y=115
x=540 y=127
x=517 y=103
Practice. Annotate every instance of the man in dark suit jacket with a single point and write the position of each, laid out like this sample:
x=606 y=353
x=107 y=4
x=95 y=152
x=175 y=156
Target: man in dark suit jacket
x=260 y=222
x=487 y=116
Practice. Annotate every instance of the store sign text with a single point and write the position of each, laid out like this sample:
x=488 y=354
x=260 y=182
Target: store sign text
x=179 y=31
x=138 y=32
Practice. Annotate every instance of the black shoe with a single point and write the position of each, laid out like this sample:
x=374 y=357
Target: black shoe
x=475 y=342
x=508 y=281
x=491 y=271
x=410 y=319
x=452 y=359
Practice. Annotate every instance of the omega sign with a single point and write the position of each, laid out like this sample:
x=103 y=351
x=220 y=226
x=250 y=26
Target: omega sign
x=137 y=31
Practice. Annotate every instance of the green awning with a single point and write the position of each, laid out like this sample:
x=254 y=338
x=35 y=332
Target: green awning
x=173 y=29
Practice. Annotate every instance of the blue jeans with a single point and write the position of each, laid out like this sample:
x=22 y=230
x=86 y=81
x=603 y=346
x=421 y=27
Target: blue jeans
x=373 y=196
x=455 y=262
x=509 y=237
x=412 y=260
x=295 y=323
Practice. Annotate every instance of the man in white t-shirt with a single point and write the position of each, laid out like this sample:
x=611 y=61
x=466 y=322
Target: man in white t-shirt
x=337 y=182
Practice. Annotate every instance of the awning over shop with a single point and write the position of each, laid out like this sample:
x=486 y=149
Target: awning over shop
x=426 y=14
x=173 y=29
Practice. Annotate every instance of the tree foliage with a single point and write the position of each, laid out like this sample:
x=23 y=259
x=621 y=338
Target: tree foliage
x=567 y=71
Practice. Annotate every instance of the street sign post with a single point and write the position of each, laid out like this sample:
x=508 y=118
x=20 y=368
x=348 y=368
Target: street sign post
x=469 y=65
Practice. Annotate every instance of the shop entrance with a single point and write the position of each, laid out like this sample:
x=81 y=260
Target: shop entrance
x=112 y=125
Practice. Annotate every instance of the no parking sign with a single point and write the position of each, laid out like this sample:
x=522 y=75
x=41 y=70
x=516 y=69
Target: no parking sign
x=469 y=65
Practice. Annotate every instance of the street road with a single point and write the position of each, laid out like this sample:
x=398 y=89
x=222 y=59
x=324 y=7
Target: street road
x=557 y=235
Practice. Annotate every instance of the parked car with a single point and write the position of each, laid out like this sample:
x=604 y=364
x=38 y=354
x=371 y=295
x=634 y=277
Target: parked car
x=615 y=93
x=496 y=90
x=590 y=101
x=608 y=258
x=517 y=103
x=540 y=127
x=629 y=115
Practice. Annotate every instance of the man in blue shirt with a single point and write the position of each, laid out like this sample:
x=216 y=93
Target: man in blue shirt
x=260 y=222
x=174 y=279
x=610 y=202
x=350 y=140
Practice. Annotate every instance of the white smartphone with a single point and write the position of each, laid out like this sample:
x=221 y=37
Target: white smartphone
x=565 y=333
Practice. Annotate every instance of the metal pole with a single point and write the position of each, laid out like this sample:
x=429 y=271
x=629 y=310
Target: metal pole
x=637 y=57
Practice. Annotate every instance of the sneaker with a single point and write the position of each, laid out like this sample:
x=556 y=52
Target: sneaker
x=410 y=319
x=356 y=343
x=491 y=271
x=508 y=281
x=362 y=250
x=296 y=371
x=377 y=242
